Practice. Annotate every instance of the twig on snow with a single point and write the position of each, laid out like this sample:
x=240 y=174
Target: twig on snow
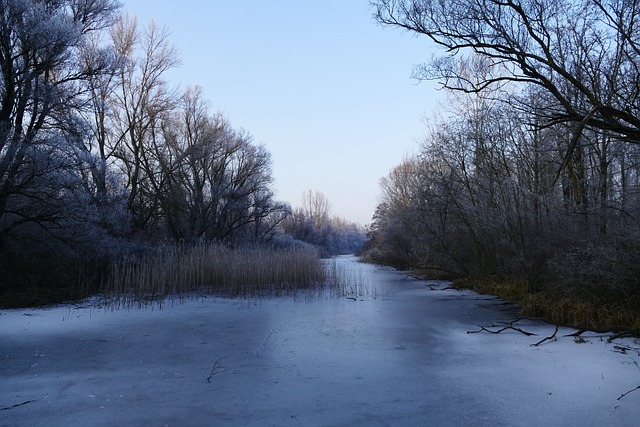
x=6 y=408
x=621 y=349
x=630 y=391
x=216 y=369
x=623 y=333
x=509 y=326
x=549 y=338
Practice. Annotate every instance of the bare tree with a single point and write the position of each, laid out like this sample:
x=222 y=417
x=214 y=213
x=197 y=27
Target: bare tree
x=140 y=103
x=316 y=208
x=96 y=110
x=40 y=43
x=215 y=182
x=584 y=54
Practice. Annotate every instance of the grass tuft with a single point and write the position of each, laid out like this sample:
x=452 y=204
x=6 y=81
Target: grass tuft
x=597 y=310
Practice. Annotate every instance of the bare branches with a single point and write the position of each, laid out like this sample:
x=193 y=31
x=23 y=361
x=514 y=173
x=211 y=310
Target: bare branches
x=510 y=326
x=630 y=391
x=26 y=402
x=140 y=103
x=616 y=333
x=562 y=47
x=552 y=337
x=217 y=369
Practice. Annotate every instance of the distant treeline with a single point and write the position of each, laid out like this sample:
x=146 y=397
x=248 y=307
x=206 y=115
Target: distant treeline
x=312 y=223
x=101 y=158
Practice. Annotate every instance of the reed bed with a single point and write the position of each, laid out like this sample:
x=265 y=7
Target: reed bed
x=347 y=282
x=181 y=272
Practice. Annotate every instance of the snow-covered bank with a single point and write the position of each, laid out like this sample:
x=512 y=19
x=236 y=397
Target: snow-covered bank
x=401 y=358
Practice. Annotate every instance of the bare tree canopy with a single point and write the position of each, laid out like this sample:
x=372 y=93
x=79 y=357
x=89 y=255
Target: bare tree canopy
x=40 y=72
x=584 y=54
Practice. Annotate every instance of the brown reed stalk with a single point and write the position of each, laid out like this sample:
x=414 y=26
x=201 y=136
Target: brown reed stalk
x=180 y=271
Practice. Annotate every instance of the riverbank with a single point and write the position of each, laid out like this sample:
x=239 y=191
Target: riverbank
x=590 y=309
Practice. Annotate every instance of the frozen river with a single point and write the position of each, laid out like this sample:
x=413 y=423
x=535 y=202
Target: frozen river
x=399 y=354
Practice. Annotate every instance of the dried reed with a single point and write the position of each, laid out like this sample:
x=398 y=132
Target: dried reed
x=183 y=272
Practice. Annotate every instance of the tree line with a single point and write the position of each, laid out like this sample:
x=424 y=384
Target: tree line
x=312 y=223
x=101 y=156
x=533 y=173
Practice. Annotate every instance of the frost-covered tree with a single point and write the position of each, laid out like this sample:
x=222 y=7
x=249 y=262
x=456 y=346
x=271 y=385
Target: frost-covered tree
x=140 y=102
x=214 y=182
x=538 y=160
x=42 y=187
x=487 y=196
x=96 y=113
x=40 y=45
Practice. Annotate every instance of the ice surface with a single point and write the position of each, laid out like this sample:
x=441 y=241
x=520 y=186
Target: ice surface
x=397 y=355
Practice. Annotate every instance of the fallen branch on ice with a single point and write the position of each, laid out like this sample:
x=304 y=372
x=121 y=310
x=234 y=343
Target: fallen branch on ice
x=6 y=408
x=630 y=391
x=216 y=369
x=549 y=338
x=624 y=333
x=509 y=326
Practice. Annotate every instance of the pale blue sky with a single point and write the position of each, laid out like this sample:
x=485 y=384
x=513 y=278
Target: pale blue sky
x=317 y=82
